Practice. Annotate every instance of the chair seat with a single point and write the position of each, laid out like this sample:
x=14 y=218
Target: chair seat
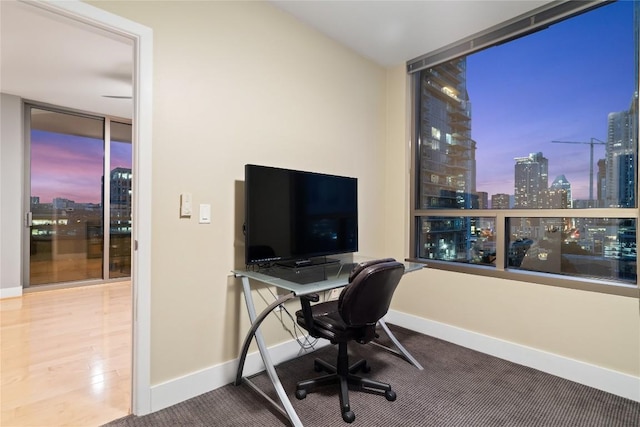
x=329 y=324
x=327 y=321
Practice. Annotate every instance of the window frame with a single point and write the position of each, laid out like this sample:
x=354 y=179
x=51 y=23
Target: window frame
x=536 y=20
x=107 y=121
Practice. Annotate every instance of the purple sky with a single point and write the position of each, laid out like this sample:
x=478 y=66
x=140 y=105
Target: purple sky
x=70 y=166
x=529 y=92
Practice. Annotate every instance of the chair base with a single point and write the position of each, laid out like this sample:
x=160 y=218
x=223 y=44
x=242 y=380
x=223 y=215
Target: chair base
x=344 y=375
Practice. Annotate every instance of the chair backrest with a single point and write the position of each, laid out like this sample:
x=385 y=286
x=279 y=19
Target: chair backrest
x=361 y=266
x=367 y=298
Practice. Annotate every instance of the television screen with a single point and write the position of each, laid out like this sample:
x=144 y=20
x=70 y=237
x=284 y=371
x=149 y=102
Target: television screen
x=296 y=216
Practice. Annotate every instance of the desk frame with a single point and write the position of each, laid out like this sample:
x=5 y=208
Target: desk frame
x=295 y=291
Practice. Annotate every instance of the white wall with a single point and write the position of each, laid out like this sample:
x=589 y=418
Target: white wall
x=11 y=188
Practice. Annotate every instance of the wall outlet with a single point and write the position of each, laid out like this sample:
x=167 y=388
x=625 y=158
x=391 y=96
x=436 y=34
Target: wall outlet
x=334 y=294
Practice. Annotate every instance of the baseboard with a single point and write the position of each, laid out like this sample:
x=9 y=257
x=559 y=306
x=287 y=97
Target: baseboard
x=180 y=389
x=15 y=291
x=594 y=376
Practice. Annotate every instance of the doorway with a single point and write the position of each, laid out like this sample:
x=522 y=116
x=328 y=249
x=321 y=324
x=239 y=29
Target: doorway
x=79 y=191
x=142 y=50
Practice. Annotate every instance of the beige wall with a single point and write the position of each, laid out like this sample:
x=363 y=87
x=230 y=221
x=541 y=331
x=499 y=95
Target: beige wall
x=598 y=329
x=242 y=82
x=236 y=83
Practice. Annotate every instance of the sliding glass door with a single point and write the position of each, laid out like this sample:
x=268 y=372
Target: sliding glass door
x=69 y=194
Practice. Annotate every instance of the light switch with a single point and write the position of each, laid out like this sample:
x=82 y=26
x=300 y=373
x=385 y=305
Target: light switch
x=205 y=214
x=185 y=205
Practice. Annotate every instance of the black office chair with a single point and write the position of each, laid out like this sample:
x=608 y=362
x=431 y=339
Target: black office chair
x=352 y=317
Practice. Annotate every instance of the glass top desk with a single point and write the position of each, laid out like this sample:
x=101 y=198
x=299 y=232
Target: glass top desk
x=298 y=282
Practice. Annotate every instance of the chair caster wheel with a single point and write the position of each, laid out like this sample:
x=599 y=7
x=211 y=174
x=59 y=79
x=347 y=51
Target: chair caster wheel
x=301 y=394
x=390 y=395
x=366 y=368
x=317 y=367
x=348 y=416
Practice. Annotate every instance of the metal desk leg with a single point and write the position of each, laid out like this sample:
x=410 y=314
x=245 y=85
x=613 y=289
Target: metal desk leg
x=403 y=351
x=257 y=321
x=264 y=352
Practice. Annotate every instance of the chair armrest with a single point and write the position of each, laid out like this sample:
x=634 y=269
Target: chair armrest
x=310 y=297
x=306 y=301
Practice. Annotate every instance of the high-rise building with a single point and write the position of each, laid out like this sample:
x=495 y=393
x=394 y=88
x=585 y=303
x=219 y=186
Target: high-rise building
x=626 y=178
x=558 y=196
x=621 y=156
x=120 y=200
x=622 y=141
x=562 y=183
x=531 y=180
x=500 y=201
x=448 y=169
x=483 y=200
x=447 y=157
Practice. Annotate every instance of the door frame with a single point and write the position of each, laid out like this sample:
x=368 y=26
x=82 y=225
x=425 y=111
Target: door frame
x=142 y=37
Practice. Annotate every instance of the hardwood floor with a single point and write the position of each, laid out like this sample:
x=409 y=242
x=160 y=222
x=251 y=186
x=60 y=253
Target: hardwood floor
x=66 y=356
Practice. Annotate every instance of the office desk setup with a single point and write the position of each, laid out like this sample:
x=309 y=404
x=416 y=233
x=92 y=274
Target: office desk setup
x=294 y=283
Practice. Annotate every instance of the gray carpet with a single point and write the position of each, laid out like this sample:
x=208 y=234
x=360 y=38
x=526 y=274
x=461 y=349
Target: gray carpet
x=459 y=387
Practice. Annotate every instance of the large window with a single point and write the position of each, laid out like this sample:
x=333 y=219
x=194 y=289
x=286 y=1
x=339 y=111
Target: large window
x=508 y=137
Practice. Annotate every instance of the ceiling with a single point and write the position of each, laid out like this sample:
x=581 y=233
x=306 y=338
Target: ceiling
x=393 y=32
x=56 y=60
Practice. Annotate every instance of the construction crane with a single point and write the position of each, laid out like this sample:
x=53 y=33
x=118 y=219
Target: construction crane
x=592 y=142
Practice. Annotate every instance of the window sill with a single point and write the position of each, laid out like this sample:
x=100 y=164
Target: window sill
x=583 y=284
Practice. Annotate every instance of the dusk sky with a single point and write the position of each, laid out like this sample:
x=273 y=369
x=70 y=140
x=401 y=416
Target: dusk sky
x=70 y=166
x=534 y=90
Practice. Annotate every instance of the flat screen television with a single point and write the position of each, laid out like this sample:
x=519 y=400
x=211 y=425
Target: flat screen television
x=296 y=218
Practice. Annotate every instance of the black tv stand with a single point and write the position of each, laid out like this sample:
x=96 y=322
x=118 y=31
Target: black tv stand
x=312 y=262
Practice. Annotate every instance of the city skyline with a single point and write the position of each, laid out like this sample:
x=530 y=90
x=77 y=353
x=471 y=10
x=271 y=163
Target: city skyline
x=51 y=155
x=512 y=118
